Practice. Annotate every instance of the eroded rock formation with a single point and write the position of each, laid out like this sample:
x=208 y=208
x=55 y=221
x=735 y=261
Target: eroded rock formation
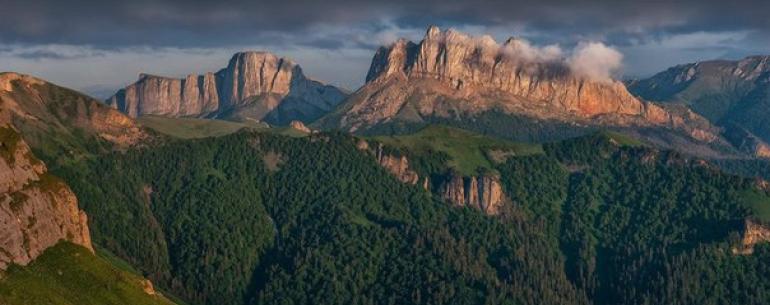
x=37 y=210
x=753 y=234
x=298 y=125
x=254 y=85
x=396 y=165
x=483 y=192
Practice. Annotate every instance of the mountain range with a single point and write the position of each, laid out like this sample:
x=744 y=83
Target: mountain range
x=464 y=171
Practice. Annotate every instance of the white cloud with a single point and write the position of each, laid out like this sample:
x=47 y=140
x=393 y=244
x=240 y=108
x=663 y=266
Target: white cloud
x=595 y=61
x=523 y=50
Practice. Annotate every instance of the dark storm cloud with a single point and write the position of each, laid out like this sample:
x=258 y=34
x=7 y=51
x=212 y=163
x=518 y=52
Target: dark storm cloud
x=51 y=54
x=198 y=23
x=107 y=43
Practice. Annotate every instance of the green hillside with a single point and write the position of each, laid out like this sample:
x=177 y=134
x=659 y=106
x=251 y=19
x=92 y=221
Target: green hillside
x=260 y=218
x=189 y=128
x=195 y=128
x=67 y=274
x=467 y=151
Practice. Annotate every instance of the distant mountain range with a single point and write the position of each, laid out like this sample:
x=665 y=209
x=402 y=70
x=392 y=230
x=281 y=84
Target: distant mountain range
x=734 y=95
x=712 y=108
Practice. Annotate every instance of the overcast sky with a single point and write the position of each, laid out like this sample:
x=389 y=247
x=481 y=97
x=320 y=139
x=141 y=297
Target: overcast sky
x=99 y=46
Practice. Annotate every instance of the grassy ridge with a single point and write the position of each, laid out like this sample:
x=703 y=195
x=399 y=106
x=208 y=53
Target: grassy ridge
x=468 y=151
x=758 y=203
x=194 y=128
x=191 y=128
x=67 y=274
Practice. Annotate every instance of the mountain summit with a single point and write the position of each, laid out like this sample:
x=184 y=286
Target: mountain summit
x=254 y=85
x=452 y=75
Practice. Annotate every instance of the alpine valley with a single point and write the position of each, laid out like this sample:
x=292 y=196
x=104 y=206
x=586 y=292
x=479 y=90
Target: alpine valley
x=463 y=171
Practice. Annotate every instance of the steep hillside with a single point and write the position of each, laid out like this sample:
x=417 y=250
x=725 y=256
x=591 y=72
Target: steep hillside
x=732 y=94
x=60 y=124
x=254 y=86
x=67 y=274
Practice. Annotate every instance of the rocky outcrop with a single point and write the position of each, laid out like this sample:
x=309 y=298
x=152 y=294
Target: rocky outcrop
x=483 y=192
x=396 y=165
x=254 y=85
x=37 y=210
x=753 y=234
x=297 y=125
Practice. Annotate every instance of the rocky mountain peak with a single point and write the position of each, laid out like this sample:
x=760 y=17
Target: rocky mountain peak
x=8 y=78
x=255 y=73
x=255 y=85
x=432 y=32
x=479 y=74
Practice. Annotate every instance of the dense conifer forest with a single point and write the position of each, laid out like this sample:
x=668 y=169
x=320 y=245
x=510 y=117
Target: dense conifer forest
x=259 y=218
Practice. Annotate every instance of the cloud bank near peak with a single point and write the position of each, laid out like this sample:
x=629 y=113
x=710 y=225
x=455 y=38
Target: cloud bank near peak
x=596 y=61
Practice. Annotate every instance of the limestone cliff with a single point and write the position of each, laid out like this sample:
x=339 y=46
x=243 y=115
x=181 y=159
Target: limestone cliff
x=483 y=192
x=472 y=64
x=449 y=74
x=254 y=85
x=37 y=210
x=192 y=96
x=396 y=165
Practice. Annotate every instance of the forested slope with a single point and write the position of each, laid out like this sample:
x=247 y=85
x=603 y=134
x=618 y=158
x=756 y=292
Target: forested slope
x=258 y=218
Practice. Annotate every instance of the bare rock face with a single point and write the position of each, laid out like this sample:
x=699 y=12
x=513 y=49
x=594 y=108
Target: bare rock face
x=297 y=125
x=192 y=96
x=255 y=85
x=470 y=64
x=753 y=234
x=252 y=74
x=37 y=210
x=482 y=192
x=398 y=166
x=449 y=73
